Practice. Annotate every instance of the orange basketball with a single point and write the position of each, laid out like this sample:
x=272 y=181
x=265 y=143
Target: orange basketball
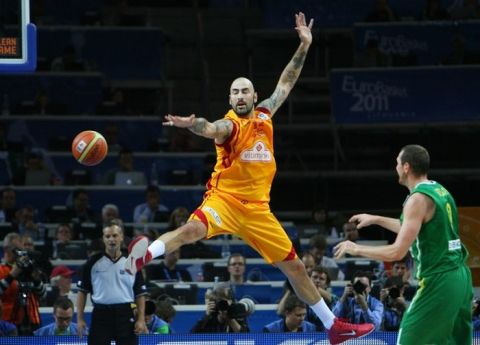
x=89 y=148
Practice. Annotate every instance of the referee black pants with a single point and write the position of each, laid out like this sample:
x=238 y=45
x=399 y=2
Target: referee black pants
x=112 y=322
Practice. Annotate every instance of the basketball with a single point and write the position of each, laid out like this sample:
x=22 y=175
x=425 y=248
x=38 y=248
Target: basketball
x=89 y=148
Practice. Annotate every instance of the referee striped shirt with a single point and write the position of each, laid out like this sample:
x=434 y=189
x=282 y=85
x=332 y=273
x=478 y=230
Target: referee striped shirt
x=108 y=282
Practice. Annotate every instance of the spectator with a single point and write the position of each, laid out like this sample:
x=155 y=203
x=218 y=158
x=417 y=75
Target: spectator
x=357 y=305
x=20 y=305
x=80 y=210
x=309 y=261
x=321 y=280
x=434 y=11
x=154 y=324
x=476 y=314
x=7 y=329
x=400 y=268
x=236 y=265
x=113 y=292
x=35 y=171
x=60 y=285
x=63 y=315
x=381 y=12
x=28 y=243
x=217 y=318
x=322 y=223
x=63 y=235
x=167 y=269
x=318 y=248
x=28 y=226
x=109 y=212
x=8 y=205
x=294 y=321
x=394 y=304
x=152 y=210
x=124 y=166
x=166 y=312
x=40 y=258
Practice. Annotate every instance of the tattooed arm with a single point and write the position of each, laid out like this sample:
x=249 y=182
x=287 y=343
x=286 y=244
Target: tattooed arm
x=219 y=130
x=292 y=71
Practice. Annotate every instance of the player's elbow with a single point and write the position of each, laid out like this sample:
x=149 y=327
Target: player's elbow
x=397 y=253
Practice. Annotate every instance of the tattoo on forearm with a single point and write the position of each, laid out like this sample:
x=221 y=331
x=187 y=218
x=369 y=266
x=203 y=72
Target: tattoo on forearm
x=199 y=126
x=299 y=59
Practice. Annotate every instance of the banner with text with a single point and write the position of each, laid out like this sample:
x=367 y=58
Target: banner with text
x=430 y=94
x=427 y=43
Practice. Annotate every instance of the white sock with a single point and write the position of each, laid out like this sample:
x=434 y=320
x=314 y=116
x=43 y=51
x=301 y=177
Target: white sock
x=157 y=248
x=324 y=313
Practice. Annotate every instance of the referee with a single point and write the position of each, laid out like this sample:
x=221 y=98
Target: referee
x=113 y=293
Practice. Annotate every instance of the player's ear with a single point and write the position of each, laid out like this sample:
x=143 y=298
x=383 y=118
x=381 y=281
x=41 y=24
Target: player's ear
x=255 y=97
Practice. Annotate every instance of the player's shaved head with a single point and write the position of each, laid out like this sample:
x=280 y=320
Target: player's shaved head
x=241 y=83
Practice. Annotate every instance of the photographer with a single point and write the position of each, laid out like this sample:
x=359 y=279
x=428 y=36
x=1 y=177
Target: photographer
x=476 y=314
x=356 y=303
x=222 y=314
x=294 y=320
x=20 y=286
x=393 y=302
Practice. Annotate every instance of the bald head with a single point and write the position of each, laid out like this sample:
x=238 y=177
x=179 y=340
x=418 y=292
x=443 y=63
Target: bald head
x=241 y=83
x=242 y=96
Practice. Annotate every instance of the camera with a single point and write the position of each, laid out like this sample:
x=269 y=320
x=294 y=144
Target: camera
x=23 y=259
x=239 y=310
x=359 y=287
x=394 y=292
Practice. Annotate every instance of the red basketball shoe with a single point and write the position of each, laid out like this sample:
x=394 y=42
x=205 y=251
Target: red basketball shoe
x=342 y=331
x=138 y=255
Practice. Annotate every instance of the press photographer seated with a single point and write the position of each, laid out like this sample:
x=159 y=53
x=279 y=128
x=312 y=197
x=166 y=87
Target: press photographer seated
x=223 y=314
x=357 y=305
x=20 y=286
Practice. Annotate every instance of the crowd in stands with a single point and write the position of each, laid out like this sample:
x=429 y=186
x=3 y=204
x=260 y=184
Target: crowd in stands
x=34 y=271
x=380 y=297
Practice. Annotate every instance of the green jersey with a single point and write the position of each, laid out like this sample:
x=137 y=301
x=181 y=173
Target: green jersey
x=437 y=247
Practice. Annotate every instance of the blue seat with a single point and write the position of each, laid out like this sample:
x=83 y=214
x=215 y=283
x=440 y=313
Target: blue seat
x=125 y=198
x=112 y=58
x=260 y=293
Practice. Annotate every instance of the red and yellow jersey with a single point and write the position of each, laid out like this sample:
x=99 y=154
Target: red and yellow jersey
x=245 y=163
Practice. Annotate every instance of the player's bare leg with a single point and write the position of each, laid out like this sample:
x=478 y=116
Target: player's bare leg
x=140 y=254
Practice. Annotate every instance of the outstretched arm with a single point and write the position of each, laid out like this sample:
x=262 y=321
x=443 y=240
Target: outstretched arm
x=416 y=211
x=292 y=71
x=364 y=219
x=219 y=130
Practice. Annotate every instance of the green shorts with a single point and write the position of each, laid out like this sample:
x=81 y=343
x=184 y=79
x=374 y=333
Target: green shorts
x=440 y=312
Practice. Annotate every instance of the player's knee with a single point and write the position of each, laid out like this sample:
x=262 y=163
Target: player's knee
x=192 y=232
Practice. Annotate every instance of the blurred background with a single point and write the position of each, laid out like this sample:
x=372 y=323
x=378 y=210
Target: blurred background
x=380 y=74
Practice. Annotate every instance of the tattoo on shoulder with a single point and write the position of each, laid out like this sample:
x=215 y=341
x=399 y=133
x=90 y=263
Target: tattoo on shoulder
x=224 y=128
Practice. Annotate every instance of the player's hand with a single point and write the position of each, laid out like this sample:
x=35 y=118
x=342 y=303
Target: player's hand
x=345 y=247
x=140 y=327
x=81 y=326
x=362 y=220
x=304 y=31
x=179 y=121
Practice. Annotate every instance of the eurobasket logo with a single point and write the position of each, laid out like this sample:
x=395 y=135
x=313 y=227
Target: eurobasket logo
x=371 y=96
x=395 y=44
